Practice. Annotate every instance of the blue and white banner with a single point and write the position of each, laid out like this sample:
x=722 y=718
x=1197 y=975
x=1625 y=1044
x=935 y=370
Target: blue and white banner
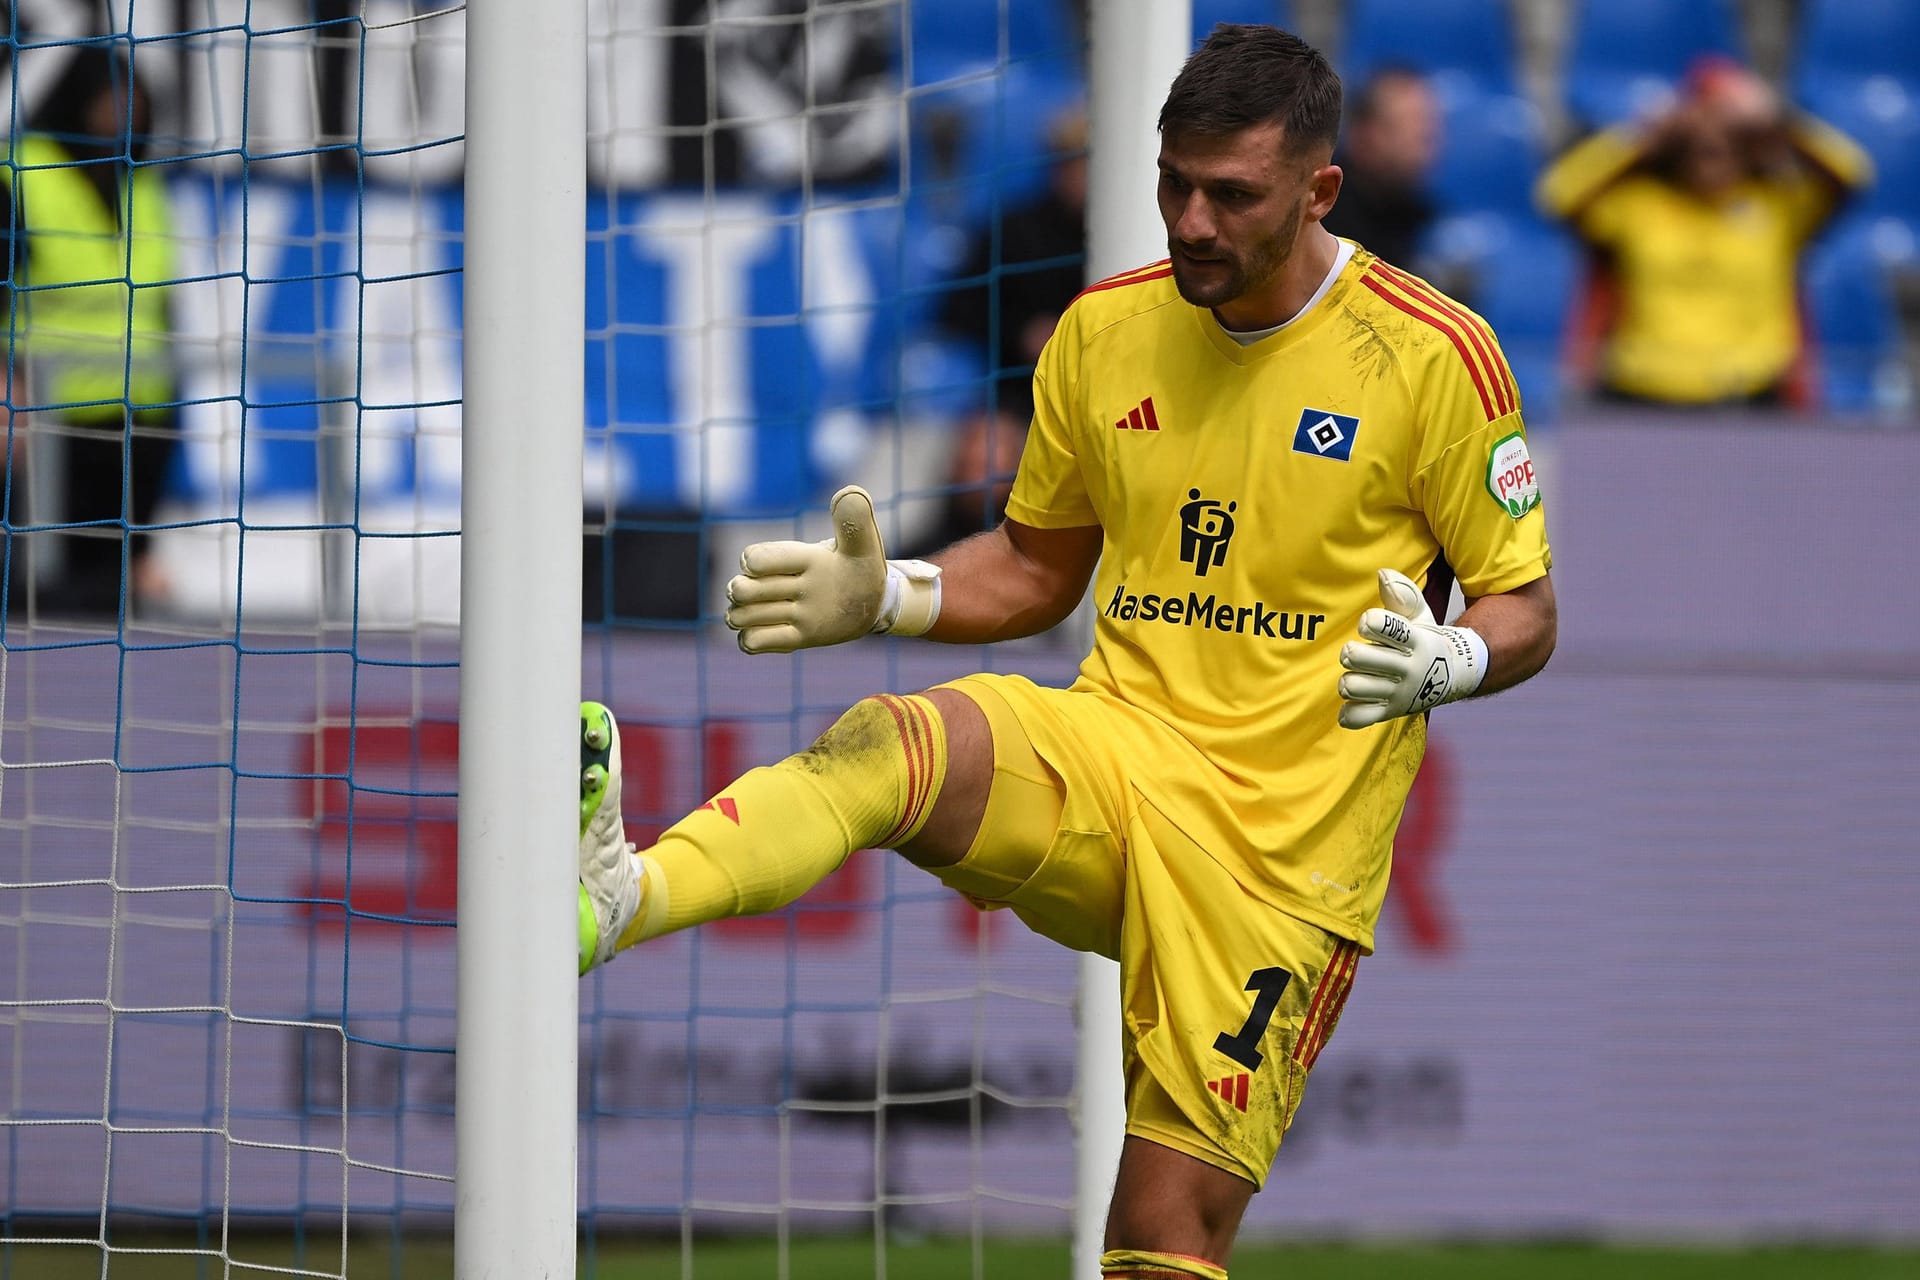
x=740 y=349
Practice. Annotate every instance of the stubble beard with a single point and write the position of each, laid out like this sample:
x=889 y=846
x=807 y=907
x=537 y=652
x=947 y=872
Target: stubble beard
x=1255 y=271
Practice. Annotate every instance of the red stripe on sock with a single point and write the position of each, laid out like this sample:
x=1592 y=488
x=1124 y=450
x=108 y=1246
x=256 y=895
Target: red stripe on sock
x=919 y=766
x=923 y=745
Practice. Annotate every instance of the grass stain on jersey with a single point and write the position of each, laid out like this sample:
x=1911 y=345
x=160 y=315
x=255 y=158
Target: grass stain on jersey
x=1367 y=351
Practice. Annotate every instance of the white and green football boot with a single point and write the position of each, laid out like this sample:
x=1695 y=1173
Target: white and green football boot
x=609 y=871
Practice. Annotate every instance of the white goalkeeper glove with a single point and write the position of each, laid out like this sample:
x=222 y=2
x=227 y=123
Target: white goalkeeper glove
x=1409 y=663
x=800 y=595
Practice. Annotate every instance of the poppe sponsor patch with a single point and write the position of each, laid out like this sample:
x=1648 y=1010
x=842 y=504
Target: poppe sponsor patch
x=1510 y=477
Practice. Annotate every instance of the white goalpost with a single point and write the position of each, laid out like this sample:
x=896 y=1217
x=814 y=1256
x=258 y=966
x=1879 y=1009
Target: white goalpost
x=1134 y=52
x=518 y=1003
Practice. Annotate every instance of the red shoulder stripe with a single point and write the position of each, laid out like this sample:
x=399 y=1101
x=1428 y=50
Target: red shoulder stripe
x=1480 y=337
x=1505 y=391
x=1459 y=342
x=1139 y=275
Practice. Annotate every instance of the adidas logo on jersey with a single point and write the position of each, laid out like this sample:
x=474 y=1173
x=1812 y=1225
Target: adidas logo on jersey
x=1212 y=613
x=1139 y=418
x=1231 y=1089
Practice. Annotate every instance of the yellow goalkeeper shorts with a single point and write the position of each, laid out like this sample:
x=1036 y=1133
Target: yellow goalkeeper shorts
x=1226 y=1000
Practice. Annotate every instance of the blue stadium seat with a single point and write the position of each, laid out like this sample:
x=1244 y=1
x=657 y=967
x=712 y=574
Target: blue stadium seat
x=1206 y=13
x=1855 y=39
x=1491 y=147
x=1625 y=56
x=1470 y=36
x=1882 y=114
x=951 y=38
x=1525 y=290
x=1858 y=348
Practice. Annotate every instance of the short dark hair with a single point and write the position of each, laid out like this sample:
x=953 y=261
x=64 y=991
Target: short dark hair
x=1245 y=75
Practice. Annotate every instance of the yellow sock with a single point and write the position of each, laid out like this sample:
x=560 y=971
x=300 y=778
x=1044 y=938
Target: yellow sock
x=868 y=782
x=1141 y=1262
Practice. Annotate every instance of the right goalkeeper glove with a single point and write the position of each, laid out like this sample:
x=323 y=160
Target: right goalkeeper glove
x=801 y=595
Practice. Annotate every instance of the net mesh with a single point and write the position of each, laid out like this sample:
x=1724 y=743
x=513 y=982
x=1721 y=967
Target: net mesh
x=227 y=840
x=226 y=823
x=796 y=287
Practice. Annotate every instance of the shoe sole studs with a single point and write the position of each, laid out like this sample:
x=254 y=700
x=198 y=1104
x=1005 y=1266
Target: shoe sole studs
x=593 y=778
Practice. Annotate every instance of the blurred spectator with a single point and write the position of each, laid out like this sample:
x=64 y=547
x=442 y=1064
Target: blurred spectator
x=1697 y=218
x=85 y=223
x=1392 y=135
x=1029 y=266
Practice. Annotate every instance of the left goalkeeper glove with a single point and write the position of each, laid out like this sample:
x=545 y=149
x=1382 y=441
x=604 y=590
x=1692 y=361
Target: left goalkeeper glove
x=797 y=595
x=1409 y=663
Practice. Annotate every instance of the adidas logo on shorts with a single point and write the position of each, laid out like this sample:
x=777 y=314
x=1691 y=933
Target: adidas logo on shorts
x=1231 y=1089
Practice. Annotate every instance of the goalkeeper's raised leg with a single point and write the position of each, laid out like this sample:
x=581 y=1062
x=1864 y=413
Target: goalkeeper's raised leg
x=873 y=780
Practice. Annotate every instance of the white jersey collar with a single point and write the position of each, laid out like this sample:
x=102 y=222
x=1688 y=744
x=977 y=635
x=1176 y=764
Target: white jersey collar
x=1341 y=257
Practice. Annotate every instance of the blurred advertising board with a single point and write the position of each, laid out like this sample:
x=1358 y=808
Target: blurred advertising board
x=1647 y=967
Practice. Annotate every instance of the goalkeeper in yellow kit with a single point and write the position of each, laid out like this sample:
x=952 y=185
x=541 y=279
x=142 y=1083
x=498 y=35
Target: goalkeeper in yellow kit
x=1276 y=448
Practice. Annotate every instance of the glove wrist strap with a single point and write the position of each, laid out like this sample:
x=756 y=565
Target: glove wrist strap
x=911 y=601
x=1469 y=661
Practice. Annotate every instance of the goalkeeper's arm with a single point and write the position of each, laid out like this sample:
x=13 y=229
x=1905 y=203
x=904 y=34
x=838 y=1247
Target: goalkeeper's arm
x=1013 y=581
x=1519 y=627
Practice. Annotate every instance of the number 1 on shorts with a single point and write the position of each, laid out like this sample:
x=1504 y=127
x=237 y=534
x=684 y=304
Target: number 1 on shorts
x=1243 y=1046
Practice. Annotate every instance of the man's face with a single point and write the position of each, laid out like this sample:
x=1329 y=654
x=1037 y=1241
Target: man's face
x=1401 y=138
x=1233 y=205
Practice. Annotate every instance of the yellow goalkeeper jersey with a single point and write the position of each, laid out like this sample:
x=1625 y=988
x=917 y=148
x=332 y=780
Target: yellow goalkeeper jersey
x=1248 y=495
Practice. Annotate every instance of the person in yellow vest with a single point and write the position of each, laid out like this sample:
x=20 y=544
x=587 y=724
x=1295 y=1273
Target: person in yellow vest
x=92 y=250
x=1698 y=217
